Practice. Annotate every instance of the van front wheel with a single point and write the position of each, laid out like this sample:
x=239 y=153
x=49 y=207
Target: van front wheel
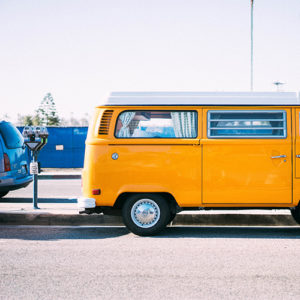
x=146 y=214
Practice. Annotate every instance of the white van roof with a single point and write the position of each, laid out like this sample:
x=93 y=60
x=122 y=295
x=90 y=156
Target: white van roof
x=202 y=98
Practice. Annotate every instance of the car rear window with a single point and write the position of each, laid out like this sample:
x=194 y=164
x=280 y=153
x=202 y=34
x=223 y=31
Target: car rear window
x=11 y=136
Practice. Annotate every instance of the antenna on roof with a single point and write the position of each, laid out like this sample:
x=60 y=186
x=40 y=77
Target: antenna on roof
x=278 y=84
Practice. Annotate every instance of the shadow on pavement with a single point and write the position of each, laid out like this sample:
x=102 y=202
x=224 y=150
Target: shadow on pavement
x=231 y=232
x=47 y=233
x=40 y=200
x=41 y=233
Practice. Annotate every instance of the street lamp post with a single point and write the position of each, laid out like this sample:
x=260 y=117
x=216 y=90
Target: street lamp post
x=251 y=63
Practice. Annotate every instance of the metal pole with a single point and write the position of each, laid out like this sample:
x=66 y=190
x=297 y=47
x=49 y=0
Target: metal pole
x=35 y=185
x=251 y=80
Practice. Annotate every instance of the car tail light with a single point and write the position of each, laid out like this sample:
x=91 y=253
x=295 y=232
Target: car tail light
x=6 y=163
x=96 y=192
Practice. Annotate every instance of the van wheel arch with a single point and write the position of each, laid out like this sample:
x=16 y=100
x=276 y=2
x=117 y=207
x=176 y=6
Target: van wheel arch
x=174 y=207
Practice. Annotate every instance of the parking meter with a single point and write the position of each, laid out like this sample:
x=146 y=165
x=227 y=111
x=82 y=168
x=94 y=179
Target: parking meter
x=35 y=138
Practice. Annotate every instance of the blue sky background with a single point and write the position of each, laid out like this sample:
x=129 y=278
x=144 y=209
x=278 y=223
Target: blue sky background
x=79 y=50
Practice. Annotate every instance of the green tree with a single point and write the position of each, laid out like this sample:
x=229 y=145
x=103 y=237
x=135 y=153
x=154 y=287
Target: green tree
x=46 y=114
x=28 y=120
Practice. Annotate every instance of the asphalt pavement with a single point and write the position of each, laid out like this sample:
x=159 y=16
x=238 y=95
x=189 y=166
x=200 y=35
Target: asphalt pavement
x=40 y=262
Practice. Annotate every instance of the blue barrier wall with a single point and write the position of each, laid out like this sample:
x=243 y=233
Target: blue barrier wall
x=65 y=147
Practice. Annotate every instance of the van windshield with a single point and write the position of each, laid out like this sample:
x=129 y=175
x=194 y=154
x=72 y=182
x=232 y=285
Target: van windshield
x=11 y=135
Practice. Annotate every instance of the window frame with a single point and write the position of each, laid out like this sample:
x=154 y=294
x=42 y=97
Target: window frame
x=153 y=138
x=284 y=120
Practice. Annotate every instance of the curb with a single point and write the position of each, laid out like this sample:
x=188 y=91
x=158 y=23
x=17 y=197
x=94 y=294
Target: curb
x=57 y=176
x=180 y=220
x=58 y=219
x=235 y=220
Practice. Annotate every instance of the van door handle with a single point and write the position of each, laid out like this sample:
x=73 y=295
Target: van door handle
x=279 y=156
x=298 y=155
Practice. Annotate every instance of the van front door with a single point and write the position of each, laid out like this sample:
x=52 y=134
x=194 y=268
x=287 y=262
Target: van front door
x=247 y=156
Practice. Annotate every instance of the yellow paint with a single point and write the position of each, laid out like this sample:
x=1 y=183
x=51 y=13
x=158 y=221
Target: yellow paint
x=197 y=172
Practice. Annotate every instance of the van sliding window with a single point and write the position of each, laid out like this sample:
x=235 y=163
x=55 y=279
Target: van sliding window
x=246 y=124
x=157 y=124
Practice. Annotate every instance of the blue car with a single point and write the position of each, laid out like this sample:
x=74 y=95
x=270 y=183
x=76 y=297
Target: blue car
x=14 y=160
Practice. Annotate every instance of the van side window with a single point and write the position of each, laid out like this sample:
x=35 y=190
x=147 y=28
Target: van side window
x=246 y=124
x=157 y=124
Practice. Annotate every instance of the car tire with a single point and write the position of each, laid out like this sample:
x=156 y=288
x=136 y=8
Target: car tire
x=2 y=194
x=146 y=214
x=172 y=217
x=295 y=211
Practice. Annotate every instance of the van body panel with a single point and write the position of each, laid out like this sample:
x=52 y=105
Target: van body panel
x=200 y=172
x=242 y=170
x=159 y=168
x=246 y=174
x=162 y=169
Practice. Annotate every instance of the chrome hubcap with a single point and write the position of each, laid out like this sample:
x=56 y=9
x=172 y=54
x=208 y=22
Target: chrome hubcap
x=145 y=213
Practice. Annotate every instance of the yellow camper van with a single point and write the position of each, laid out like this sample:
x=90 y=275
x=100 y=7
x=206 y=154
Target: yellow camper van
x=150 y=155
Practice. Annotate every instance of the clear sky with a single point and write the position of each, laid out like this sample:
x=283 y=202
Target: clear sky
x=79 y=50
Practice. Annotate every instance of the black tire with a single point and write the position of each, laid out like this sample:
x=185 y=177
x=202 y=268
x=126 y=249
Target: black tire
x=2 y=194
x=172 y=217
x=295 y=211
x=151 y=220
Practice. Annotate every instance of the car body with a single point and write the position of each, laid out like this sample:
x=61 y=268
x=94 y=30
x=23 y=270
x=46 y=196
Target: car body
x=14 y=159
